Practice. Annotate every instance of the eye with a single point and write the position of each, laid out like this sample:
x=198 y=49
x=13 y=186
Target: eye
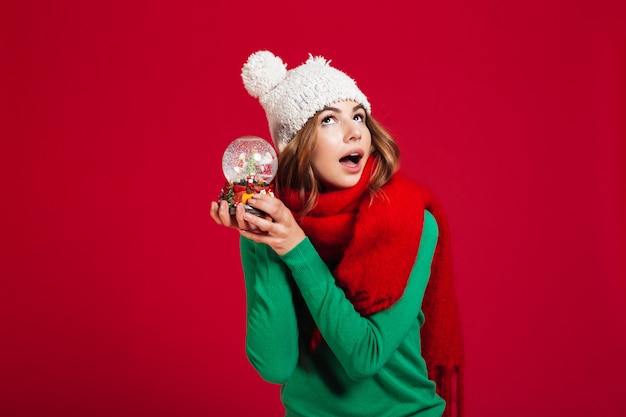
x=327 y=120
x=359 y=117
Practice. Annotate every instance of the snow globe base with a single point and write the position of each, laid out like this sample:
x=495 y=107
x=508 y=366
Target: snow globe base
x=233 y=210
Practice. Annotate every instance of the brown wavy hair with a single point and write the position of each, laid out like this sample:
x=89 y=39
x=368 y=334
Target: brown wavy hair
x=294 y=162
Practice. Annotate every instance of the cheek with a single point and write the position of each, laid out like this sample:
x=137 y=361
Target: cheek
x=315 y=158
x=318 y=162
x=322 y=151
x=369 y=145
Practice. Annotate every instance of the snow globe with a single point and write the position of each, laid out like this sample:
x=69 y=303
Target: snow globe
x=249 y=165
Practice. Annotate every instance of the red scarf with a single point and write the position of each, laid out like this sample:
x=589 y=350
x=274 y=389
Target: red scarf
x=360 y=240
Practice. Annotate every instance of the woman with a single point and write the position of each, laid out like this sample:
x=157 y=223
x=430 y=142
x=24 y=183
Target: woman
x=337 y=270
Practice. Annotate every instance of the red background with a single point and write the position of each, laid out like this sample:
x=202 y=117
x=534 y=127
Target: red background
x=119 y=296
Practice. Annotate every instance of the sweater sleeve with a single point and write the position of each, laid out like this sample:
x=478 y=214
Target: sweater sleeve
x=271 y=326
x=361 y=344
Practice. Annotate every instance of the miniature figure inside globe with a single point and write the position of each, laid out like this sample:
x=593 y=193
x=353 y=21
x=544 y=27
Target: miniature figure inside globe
x=249 y=164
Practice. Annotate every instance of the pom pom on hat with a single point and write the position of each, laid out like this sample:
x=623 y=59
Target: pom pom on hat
x=262 y=72
x=291 y=98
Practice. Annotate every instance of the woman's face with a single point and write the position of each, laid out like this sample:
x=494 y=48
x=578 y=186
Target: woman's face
x=343 y=144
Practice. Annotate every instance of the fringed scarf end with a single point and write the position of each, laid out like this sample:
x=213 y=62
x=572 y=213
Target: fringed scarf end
x=449 y=381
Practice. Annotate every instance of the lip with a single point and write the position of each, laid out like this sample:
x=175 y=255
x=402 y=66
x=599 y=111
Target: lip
x=349 y=166
x=355 y=151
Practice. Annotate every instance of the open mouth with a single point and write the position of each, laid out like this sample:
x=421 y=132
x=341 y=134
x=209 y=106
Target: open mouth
x=351 y=159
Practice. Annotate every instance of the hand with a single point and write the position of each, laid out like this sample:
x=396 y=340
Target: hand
x=278 y=229
x=221 y=215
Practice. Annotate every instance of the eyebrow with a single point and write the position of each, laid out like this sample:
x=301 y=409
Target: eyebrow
x=335 y=109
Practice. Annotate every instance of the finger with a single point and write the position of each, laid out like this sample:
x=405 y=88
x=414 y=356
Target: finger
x=257 y=236
x=268 y=205
x=239 y=216
x=224 y=213
x=213 y=212
x=216 y=213
x=259 y=223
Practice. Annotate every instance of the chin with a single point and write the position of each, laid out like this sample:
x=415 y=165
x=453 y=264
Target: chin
x=342 y=185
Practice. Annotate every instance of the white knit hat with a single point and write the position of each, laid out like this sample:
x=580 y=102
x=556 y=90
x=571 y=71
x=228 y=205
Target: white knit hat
x=290 y=98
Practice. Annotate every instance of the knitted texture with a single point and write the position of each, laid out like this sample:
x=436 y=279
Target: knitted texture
x=371 y=246
x=291 y=97
x=442 y=342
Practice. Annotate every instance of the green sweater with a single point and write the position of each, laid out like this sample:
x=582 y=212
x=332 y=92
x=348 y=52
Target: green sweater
x=368 y=366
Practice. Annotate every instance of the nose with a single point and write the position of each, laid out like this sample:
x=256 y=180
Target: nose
x=353 y=132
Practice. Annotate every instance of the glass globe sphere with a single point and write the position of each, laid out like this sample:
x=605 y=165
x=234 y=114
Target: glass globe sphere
x=249 y=158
